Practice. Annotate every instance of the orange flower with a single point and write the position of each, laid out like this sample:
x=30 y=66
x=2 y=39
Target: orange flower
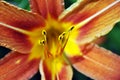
x=53 y=39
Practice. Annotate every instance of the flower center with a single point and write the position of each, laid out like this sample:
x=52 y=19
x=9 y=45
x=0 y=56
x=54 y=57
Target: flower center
x=54 y=47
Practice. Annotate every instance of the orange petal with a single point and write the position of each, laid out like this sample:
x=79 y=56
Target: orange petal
x=95 y=22
x=98 y=63
x=74 y=9
x=53 y=70
x=66 y=73
x=15 y=66
x=13 y=21
x=83 y=9
x=45 y=7
x=19 y=18
x=100 y=25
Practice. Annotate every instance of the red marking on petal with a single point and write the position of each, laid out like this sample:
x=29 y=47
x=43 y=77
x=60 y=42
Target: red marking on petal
x=14 y=40
x=84 y=49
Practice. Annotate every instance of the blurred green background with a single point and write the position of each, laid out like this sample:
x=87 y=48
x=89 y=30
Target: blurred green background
x=112 y=41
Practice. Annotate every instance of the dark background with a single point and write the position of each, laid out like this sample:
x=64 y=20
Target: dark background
x=112 y=39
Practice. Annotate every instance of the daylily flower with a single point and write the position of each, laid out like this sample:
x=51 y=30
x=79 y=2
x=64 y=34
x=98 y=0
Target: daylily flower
x=54 y=40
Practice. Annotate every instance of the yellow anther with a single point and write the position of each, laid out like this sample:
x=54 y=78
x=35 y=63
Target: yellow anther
x=44 y=32
x=42 y=42
x=60 y=37
x=71 y=28
x=63 y=33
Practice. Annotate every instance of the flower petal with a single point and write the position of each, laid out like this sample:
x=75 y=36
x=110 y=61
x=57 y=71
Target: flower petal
x=16 y=66
x=74 y=8
x=72 y=48
x=55 y=70
x=45 y=7
x=92 y=22
x=66 y=73
x=100 y=25
x=98 y=63
x=14 y=23
x=83 y=9
x=19 y=18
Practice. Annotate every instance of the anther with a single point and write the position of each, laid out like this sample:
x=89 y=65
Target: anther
x=42 y=42
x=63 y=33
x=61 y=36
x=71 y=28
x=44 y=32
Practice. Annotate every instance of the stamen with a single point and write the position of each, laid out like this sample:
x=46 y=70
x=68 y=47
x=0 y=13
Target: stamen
x=44 y=44
x=63 y=38
x=16 y=29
